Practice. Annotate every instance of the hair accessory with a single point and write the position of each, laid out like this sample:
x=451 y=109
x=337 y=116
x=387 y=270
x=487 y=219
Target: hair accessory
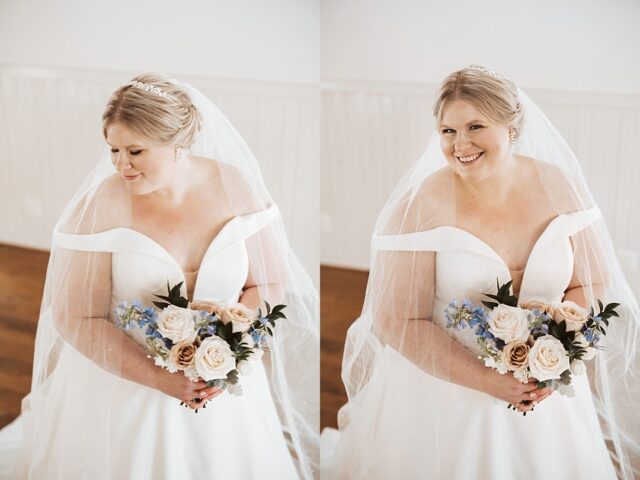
x=148 y=87
x=481 y=69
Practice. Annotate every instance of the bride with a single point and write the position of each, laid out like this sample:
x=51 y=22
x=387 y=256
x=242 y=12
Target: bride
x=178 y=197
x=498 y=196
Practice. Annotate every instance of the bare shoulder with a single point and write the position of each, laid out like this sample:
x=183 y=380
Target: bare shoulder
x=104 y=207
x=235 y=186
x=554 y=183
x=425 y=207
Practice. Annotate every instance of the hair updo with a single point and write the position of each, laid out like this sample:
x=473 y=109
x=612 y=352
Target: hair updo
x=494 y=96
x=162 y=119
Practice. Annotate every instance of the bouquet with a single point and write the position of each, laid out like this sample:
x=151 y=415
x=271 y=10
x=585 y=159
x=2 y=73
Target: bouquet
x=548 y=342
x=212 y=341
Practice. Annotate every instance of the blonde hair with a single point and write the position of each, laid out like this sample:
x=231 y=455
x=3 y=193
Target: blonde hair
x=164 y=119
x=494 y=96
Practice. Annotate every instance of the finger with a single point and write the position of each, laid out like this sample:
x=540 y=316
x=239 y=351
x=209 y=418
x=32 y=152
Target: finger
x=208 y=392
x=542 y=397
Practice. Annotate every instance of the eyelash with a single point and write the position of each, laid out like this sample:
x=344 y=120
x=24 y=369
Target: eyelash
x=136 y=152
x=446 y=131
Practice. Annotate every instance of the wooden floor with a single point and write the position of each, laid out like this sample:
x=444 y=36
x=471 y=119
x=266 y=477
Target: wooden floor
x=22 y=274
x=341 y=296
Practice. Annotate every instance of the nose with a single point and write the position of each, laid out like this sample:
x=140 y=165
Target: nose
x=460 y=142
x=121 y=161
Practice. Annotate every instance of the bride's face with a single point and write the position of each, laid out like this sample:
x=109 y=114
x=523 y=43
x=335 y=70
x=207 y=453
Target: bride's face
x=475 y=147
x=144 y=166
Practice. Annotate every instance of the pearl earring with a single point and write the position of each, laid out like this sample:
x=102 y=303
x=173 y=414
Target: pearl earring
x=512 y=136
x=179 y=155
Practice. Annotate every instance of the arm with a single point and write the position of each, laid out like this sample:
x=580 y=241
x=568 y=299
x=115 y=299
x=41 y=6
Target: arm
x=81 y=311
x=403 y=293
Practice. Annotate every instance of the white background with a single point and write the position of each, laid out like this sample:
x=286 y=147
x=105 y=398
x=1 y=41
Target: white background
x=587 y=45
x=249 y=39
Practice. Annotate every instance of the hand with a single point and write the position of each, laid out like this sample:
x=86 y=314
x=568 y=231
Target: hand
x=194 y=394
x=523 y=396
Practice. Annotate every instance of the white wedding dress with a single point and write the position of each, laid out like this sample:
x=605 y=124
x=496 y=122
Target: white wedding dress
x=416 y=426
x=150 y=435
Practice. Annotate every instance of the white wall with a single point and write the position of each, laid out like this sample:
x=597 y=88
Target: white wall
x=250 y=39
x=570 y=44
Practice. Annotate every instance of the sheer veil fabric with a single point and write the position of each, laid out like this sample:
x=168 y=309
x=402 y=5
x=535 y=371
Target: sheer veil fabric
x=76 y=311
x=399 y=313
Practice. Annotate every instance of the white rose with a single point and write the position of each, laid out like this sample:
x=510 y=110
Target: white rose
x=509 y=323
x=240 y=317
x=578 y=367
x=246 y=366
x=548 y=358
x=177 y=324
x=214 y=359
x=573 y=314
x=591 y=352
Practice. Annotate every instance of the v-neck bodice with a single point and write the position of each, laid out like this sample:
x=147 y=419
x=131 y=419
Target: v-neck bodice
x=467 y=267
x=141 y=267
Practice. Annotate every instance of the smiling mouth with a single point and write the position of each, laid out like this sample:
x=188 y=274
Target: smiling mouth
x=470 y=158
x=131 y=177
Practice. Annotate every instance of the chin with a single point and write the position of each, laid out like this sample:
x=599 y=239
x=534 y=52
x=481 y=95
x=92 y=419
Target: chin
x=137 y=187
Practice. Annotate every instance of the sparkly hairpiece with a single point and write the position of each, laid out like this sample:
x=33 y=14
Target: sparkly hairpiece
x=481 y=69
x=148 y=87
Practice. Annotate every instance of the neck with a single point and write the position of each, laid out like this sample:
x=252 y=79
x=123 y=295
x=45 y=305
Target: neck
x=173 y=195
x=497 y=189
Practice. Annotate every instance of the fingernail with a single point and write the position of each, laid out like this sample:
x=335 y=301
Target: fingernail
x=533 y=395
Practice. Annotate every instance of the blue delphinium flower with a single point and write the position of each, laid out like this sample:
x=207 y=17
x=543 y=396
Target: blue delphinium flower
x=482 y=330
x=465 y=315
x=540 y=330
x=257 y=336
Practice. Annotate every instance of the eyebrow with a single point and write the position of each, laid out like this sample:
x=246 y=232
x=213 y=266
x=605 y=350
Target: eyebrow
x=442 y=125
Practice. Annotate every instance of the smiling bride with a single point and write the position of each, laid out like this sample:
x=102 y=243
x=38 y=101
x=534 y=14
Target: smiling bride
x=497 y=197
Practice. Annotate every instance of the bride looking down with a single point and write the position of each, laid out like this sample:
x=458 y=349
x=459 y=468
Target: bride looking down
x=177 y=198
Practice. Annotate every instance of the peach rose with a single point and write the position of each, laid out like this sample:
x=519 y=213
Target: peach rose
x=574 y=315
x=183 y=354
x=208 y=306
x=516 y=355
x=239 y=316
x=540 y=306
